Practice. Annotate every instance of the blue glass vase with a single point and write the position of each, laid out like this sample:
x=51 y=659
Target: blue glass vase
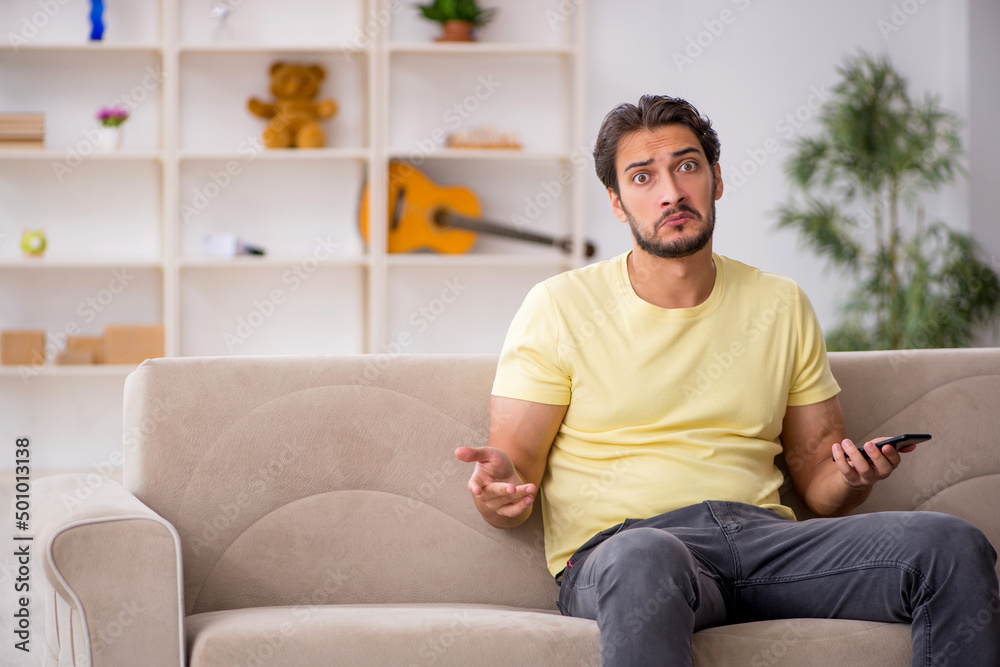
x=96 y=20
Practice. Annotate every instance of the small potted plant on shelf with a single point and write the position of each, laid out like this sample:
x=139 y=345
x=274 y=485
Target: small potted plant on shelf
x=111 y=119
x=458 y=18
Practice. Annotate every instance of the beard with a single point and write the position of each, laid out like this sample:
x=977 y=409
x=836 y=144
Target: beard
x=682 y=247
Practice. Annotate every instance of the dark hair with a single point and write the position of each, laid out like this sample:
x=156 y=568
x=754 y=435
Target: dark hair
x=653 y=111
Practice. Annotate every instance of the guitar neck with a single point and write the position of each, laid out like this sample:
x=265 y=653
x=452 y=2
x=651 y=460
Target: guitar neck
x=446 y=219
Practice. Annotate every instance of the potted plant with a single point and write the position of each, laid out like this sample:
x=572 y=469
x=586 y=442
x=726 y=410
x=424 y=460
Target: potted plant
x=458 y=18
x=919 y=284
x=111 y=119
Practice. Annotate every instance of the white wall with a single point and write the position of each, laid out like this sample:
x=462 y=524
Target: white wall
x=768 y=61
x=984 y=153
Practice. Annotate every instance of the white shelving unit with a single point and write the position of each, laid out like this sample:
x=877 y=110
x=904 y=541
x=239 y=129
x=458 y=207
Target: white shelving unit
x=192 y=164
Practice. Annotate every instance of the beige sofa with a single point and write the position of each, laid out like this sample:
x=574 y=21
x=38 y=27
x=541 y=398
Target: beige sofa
x=308 y=511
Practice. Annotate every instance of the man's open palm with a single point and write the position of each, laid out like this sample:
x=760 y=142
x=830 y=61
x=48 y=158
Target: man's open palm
x=495 y=481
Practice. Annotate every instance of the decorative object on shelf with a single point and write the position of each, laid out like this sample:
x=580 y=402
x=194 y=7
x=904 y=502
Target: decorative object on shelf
x=22 y=131
x=221 y=9
x=33 y=242
x=458 y=18
x=96 y=20
x=22 y=348
x=82 y=350
x=423 y=215
x=228 y=245
x=483 y=136
x=74 y=358
x=132 y=344
x=920 y=285
x=111 y=129
x=294 y=117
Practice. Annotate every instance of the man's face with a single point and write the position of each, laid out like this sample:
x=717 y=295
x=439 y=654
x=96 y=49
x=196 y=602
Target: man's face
x=667 y=191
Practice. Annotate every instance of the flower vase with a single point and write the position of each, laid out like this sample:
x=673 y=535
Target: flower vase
x=110 y=139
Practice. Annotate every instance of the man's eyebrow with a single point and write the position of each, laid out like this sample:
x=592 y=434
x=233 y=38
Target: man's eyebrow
x=685 y=151
x=639 y=164
x=644 y=163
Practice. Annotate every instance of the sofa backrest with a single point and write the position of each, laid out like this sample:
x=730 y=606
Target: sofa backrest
x=326 y=480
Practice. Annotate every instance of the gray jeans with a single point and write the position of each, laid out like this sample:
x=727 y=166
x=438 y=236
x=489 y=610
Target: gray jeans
x=651 y=583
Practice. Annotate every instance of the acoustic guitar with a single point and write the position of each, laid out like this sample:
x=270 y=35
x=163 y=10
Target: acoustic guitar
x=424 y=215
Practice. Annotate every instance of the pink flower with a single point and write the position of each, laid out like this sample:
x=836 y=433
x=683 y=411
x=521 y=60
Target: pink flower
x=112 y=116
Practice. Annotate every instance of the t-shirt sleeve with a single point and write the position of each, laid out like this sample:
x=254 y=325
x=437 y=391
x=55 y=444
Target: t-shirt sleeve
x=529 y=367
x=812 y=381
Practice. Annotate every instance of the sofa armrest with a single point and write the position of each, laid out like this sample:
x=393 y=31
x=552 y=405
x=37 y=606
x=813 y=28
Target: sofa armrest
x=114 y=570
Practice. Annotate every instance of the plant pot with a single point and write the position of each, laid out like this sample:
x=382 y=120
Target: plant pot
x=456 y=31
x=110 y=139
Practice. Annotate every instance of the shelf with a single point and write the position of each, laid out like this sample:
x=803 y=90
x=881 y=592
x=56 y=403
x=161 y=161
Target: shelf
x=85 y=47
x=34 y=264
x=487 y=154
x=49 y=154
x=248 y=47
x=473 y=260
x=479 y=48
x=193 y=165
x=251 y=261
x=69 y=371
x=282 y=154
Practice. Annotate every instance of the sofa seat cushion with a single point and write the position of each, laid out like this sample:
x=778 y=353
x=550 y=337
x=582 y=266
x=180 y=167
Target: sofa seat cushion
x=804 y=642
x=419 y=634
x=430 y=634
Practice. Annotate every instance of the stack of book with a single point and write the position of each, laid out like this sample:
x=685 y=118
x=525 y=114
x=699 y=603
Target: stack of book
x=22 y=131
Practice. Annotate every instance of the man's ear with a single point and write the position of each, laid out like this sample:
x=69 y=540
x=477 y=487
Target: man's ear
x=616 y=205
x=718 y=182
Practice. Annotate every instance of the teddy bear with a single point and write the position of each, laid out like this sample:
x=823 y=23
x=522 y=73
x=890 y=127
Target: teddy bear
x=295 y=114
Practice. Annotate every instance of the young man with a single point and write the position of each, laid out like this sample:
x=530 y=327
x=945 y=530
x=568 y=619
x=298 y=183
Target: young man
x=647 y=396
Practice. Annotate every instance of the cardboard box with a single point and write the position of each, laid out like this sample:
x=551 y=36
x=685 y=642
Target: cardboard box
x=22 y=348
x=93 y=345
x=75 y=358
x=132 y=344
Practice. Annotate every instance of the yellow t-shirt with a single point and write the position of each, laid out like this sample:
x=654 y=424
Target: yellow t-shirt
x=667 y=407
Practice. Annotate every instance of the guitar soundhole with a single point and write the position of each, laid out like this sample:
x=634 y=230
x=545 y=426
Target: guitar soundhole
x=440 y=217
